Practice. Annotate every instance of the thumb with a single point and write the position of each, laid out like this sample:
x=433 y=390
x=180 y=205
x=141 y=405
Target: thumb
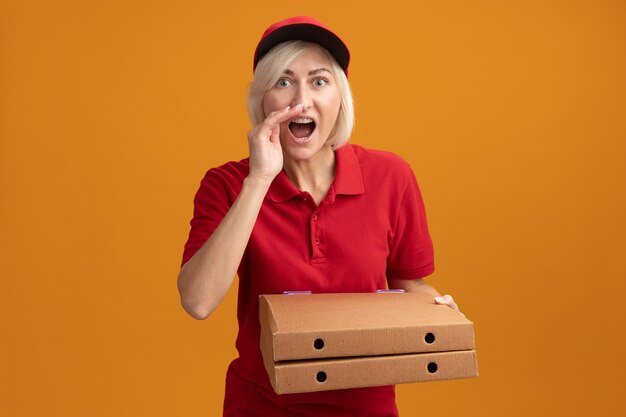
x=275 y=134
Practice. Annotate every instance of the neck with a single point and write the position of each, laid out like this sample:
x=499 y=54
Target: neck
x=313 y=176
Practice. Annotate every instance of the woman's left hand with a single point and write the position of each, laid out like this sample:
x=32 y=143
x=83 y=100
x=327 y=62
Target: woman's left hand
x=418 y=285
x=447 y=300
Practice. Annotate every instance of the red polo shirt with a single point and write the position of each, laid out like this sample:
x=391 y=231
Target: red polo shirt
x=371 y=226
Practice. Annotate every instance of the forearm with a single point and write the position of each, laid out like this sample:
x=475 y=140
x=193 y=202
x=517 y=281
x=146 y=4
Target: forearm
x=204 y=280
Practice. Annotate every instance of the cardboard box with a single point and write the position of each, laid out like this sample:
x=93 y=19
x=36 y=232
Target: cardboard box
x=384 y=338
x=370 y=371
x=308 y=326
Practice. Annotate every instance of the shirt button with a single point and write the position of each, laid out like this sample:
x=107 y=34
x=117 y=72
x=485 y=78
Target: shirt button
x=314 y=217
x=317 y=240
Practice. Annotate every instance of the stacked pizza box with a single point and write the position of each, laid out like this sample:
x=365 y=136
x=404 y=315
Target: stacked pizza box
x=318 y=342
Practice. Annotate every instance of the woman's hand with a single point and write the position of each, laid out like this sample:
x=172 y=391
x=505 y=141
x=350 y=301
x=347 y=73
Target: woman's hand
x=447 y=300
x=266 y=154
x=418 y=285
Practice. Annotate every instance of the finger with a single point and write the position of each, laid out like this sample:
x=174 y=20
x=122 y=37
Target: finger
x=444 y=299
x=448 y=301
x=280 y=116
x=261 y=131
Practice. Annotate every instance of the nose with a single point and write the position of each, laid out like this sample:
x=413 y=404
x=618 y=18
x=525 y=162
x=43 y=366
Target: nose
x=302 y=95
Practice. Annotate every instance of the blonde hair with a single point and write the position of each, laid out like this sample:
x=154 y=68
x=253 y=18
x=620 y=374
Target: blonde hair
x=271 y=67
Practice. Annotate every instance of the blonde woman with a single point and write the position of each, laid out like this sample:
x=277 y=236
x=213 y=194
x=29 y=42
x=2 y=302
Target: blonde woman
x=306 y=211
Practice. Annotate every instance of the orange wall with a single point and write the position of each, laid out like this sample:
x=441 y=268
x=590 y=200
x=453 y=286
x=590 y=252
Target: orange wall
x=512 y=114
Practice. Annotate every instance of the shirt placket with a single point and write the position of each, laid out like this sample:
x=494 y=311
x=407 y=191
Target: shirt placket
x=313 y=214
x=318 y=243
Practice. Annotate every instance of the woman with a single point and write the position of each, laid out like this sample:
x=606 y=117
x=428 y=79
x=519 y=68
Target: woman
x=305 y=211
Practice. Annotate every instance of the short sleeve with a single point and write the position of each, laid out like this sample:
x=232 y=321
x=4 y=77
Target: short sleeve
x=211 y=203
x=411 y=250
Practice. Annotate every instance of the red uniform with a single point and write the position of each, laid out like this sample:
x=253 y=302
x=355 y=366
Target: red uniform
x=371 y=226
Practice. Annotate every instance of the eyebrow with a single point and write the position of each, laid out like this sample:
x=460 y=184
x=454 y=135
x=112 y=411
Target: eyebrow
x=313 y=72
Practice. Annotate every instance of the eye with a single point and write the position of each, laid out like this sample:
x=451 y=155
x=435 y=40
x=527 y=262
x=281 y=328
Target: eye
x=320 y=82
x=283 y=82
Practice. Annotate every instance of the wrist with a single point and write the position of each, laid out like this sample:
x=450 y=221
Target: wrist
x=258 y=182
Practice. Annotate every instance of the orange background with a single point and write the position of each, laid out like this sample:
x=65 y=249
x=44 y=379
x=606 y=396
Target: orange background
x=512 y=114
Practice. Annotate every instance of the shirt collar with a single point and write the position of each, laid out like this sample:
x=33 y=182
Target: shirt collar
x=348 y=179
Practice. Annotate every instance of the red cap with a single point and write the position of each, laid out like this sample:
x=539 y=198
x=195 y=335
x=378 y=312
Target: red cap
x=303 y=28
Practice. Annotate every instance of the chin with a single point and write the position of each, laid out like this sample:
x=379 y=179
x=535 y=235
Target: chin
x=306 y=151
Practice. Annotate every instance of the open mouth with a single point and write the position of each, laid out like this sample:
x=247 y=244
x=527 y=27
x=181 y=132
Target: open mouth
x=302 y=128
